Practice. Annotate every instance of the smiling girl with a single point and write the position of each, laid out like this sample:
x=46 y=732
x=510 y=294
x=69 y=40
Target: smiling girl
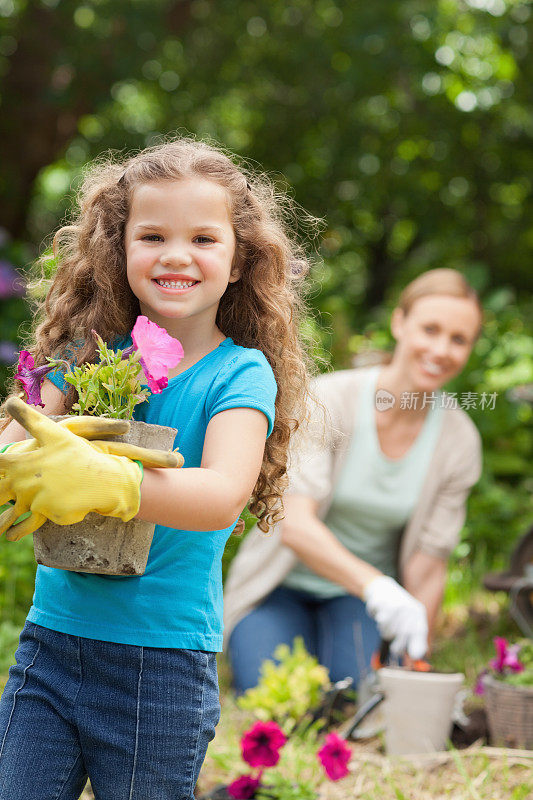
x=116 y=677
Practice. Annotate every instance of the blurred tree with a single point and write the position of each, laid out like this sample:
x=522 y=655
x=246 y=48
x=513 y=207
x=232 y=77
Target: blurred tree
x=406 y=125
x=58 y=62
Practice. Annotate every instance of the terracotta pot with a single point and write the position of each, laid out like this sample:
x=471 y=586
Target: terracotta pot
x=418 y=709
x=104 y=545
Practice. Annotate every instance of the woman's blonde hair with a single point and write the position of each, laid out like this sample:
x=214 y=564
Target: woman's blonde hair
x=441 y=281
x=90 y=289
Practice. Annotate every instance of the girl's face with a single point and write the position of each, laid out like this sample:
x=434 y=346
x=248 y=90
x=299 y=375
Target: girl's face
x=180 y=245
x=434 y=339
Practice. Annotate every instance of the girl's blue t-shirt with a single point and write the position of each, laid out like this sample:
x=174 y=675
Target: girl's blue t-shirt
x=178 y=600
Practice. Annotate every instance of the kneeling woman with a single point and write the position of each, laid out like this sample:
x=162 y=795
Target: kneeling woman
x=375 y=505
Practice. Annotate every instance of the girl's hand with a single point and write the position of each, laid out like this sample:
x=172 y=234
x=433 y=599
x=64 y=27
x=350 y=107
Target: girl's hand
x=62 y=477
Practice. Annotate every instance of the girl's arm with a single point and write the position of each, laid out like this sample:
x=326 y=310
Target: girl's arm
x=319 y=549
x=212 y=496
x=54 y=403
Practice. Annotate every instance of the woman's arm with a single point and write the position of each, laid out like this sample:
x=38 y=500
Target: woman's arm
x=401 y=618
x=54 y=403
x=424 y=571
x=319 y=549
x=212 y=496
x=424 y=577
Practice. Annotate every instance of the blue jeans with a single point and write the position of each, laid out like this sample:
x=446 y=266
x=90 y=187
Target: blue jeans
x=135 y=720
x=337 y=631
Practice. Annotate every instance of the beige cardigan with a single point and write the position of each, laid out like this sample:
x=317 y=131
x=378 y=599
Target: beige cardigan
x=263 y=562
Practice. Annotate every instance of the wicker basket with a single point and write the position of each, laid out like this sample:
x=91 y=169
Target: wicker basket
x=510 y=713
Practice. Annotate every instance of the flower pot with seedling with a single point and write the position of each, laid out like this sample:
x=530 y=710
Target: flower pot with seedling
x=111 y=388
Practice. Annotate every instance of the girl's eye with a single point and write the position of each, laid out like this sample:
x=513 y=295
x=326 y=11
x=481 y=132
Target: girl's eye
x=459 y=340
x=204 y=240
x=152 y=237
x=430 y=328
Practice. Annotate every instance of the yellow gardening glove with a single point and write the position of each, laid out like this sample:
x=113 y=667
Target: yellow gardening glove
x=61 y=476
x=88 y=427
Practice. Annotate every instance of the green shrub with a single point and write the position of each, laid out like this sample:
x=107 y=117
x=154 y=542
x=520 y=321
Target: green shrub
x=289 y=689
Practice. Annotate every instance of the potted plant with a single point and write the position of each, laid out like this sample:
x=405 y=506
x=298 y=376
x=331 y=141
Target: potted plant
x=418 y=709
x=111 y=388
x=507 y=685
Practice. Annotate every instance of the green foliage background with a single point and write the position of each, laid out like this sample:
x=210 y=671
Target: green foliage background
x=405 y=126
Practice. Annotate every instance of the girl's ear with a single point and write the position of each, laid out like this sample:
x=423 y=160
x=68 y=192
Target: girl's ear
x=235 y=273
x=397 y=322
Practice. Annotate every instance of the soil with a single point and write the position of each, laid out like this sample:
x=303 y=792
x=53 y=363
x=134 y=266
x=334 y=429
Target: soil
x=476 y=730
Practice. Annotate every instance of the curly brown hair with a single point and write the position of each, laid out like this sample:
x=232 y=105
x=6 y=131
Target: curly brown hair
x=263 y=309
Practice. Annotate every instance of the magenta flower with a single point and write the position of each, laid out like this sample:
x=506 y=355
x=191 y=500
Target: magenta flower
x=505 y=657
x=31 y=377
x=334 y=757
x=511 y=659
x=245 y=787
x=262 y=743
x=159 y=352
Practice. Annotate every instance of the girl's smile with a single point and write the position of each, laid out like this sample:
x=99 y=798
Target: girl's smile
x=180 y=247
x=175 y=283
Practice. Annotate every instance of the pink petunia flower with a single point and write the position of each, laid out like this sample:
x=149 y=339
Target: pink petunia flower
x=159 y=352
x=505 y=656
x=262 y=743
x=245 y=787
x=511 y=659
x=32 y=377
x=334 y=757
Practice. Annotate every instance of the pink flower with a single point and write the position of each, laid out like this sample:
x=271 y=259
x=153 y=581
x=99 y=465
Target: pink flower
x=244 y=787
x=334 y=757
x=501 y=649
x=159 y=352
x=31 y=377
x=511 y=659
x=505 y=656
x=262 y=743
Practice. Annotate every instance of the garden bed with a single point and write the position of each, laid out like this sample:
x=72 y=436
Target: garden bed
x=475 y=773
